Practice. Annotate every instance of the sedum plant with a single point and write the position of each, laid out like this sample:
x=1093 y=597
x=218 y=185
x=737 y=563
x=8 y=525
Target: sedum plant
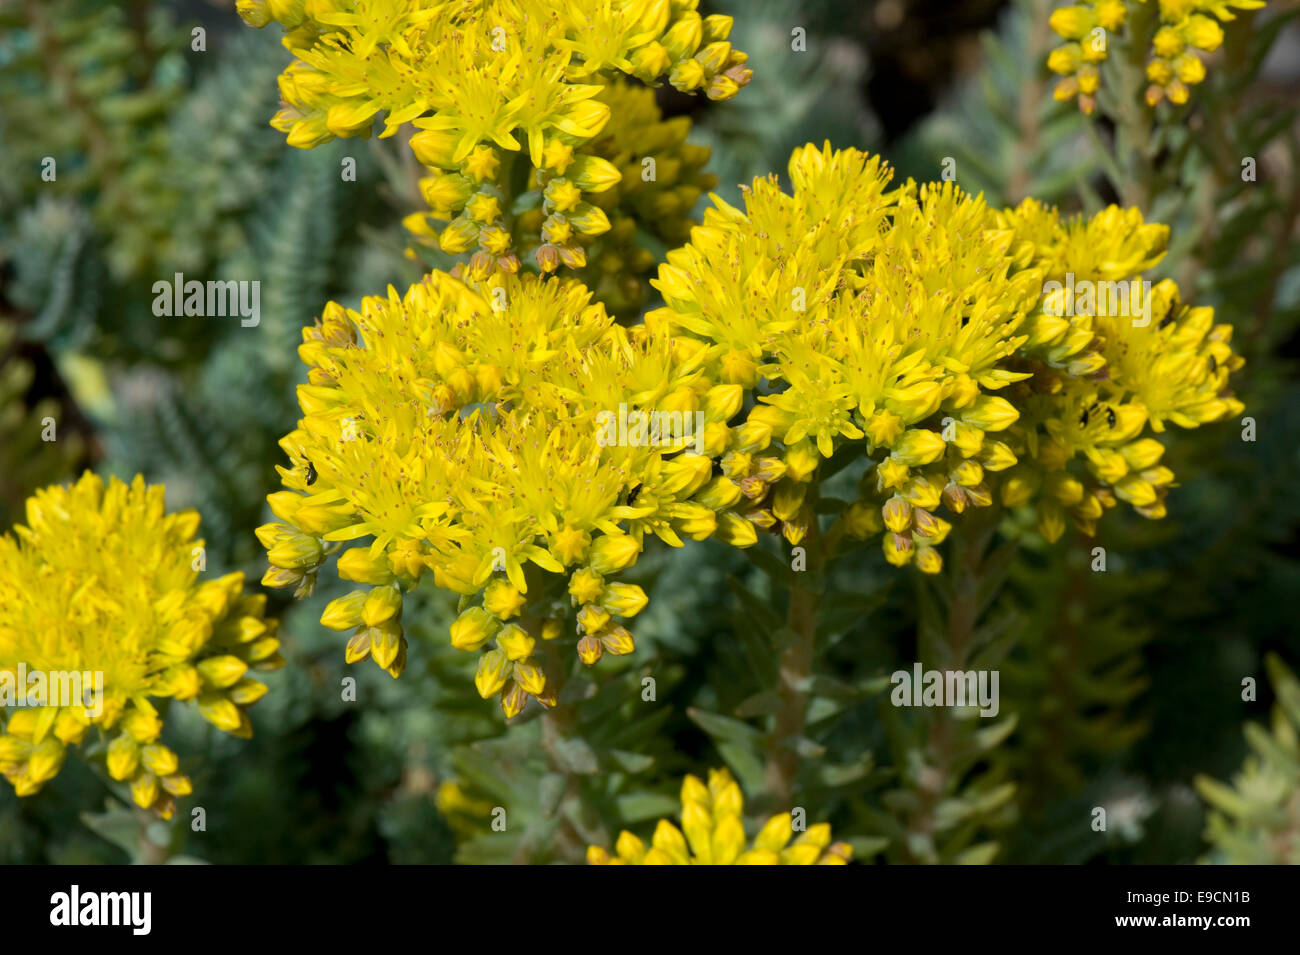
x=1256 y=820
x=841 y=366
x=141 y=621
x=921 y=324
x=1171 y=35
x=713 y=833
x=467 y=428
x=494 y=429
x=484 y=84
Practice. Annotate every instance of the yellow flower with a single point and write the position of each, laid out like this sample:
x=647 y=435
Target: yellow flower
x=640 y=173
x=712 y=833
x=479 y=451
x=102 y=583
x=1171 y=70
x=506 y=435
x=1116 y=356
x=484 y=80
x=965 y=347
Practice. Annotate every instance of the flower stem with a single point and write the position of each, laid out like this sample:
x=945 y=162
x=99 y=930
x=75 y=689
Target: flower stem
x=795 y=668
x=1033 y=87
x=1135 y=118
x=558 y=723
x=951 y=649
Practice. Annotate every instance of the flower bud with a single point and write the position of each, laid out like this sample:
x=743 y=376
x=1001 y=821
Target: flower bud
x=928 y=560
x=719 y=494
x=382 y=603
x=221 y=672
x=502 y=599
x=990 y=413
x=247 y=692
x=159 y=760
x=123 y=757
x=515 y=642
x=385 y=642
x=344 y=613
x=144 y=789
x=618 y=641
x=918 y=446
x=284 y=504
x=613 y=552
x=530 y=678
x=687 y=75
x=592 y=618
x=593 y=174
x=897 y=514
x=435 y=147
x=589 y=649
x=358 y=564
x=587 y=219
x=1073 y=23
x=716 y=27
x=624 y=600
x=861 y=520
x=650 y=62
x=714 y=57
x=220 y=712
x=473 y=628
x=513 y=700
x=298 y=552
x=683 y=38
x=490 y=676
x=736 y=531
x=898 y=548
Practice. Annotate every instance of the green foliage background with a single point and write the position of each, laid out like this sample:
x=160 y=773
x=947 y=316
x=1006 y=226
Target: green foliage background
x=1120 y=689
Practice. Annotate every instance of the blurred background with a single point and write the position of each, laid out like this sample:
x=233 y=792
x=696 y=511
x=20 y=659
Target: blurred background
x=1124 y=686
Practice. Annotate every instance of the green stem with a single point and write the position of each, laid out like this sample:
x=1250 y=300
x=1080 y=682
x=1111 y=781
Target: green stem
x=1134 y=118
x=970 y=542
x=559 y=723
x=1033 y=88
x=795 y=669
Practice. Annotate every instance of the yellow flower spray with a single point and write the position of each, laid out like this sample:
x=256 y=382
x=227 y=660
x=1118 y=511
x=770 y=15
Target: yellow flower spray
x=485 y=82
x=102 y=580
x=458 y=426
x=1181 y=31
x=969 y=356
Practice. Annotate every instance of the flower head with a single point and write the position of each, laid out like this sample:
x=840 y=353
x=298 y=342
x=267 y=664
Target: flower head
x=713 y=833
x=102 y=581
x=481 y=81
x=946 y=340
x=1173 y=66
x=493 y=432
x=478 y=433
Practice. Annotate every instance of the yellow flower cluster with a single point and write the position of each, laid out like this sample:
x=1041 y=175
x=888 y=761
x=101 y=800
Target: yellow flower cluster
x=484 y=81
x=1109 y=356
x=713 y=833
x=466 y=428
x=920 y=325
x=1087 y=28
x=1173 y=66
x=662 y=178
x=102 y=581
